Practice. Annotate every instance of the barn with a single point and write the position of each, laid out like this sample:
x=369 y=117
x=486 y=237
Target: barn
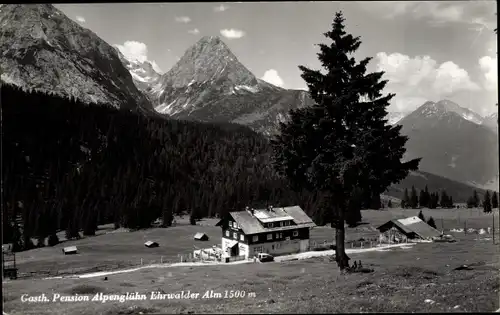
x=151 y=244
x=201 y=237
x=71 y=250
x=412 y=228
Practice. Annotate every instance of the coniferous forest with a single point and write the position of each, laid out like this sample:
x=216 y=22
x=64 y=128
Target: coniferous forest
x=72 y=166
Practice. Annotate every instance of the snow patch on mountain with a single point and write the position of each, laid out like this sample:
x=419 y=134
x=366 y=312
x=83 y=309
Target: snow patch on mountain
x=394 y=117
x=252 y=89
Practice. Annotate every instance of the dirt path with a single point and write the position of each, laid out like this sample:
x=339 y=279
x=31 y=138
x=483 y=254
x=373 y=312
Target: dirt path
x=304 y=255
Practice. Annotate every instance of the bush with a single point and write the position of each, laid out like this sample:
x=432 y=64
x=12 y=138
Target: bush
x=53 y=240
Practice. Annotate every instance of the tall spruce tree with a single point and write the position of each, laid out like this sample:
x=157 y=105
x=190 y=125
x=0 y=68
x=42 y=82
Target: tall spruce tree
x=413 y=198
x=421 y=199
x=494 y=200
x=431 y=222
x=444 y=203
x=427 y=196
x=421 y=216
x=475 y=199
x=405 y=203
x=487 y=202
x=343 y=142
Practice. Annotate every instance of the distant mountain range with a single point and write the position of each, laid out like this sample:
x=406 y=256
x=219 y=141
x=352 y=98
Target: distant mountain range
x=209 y=84
x=451 y=142
x=43 y=49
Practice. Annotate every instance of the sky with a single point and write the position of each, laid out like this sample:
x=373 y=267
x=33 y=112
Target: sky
x=428 y=50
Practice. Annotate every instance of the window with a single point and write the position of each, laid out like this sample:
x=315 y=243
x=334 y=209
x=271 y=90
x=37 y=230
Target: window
x=269 y=237
x=281 y=235
x=255 y=238
x=235 y=235
x=242 y=237
x=278 y=245
x=257 y=249
x=227 y=234
x=277 y=235
x=236 y=225
x=271 y=225
x=273 y=247
x=281 y=223
x=295 y=233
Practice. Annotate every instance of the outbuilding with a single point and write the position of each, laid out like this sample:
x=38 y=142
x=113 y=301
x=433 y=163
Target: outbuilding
x=151 y=244
x=201 y=236
x=411 y=228
x=71 y=250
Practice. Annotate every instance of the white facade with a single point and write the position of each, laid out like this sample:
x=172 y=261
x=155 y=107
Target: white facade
x=281 y=247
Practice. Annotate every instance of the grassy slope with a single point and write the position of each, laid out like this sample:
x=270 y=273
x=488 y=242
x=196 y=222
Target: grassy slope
x=122 y=249
x=402 y=280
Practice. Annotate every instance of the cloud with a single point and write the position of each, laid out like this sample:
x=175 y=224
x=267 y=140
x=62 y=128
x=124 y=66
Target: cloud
x=419 y=79
x=194 y=32
x=489 y=66
x=478 y=13
x=137 y=51
x=80 y=19
x=232 y=33
x=182 y=19
x=220 y=8
x=272 y=76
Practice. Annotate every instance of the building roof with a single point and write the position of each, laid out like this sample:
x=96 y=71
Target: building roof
x=200 y=235
x=149 y=243
x=252 y=224
x=70 y=249
x=411 y=225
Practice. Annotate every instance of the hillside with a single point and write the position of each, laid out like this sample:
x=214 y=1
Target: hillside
x=44 y=50
x=77 y=165
x=451 y=142
x=457 y=190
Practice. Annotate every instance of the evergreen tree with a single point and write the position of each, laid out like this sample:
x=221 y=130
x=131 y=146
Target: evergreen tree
x=389 y=204
x=475 y=199
x=324 y=147
x=421 y=199
x=444 y=203
x=494 y=200
x=413 y=198
x=427 y=196
x=487 y=202
x=421 y=216
x=470 y=202
x=432 y=223
x=405 y=203
x=451 y=204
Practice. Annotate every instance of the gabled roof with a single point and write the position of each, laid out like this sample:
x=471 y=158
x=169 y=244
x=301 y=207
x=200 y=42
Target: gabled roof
x=200 y=235
x=252 y=225
x=412 y=225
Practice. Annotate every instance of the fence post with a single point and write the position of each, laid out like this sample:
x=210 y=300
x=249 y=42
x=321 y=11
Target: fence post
x=493 y=227
x=362 y=244
x=181 y=258
x=161 y=260
x=141 y=261
x=370 y=244
x=465 y=227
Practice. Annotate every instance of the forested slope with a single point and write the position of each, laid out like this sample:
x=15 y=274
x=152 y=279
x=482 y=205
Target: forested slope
x=68 y=165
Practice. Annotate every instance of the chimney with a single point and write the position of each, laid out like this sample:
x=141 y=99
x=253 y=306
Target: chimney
x=270 y=208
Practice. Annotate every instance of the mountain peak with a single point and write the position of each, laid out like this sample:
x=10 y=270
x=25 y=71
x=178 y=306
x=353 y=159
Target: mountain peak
x=446 y=107
x=44 y=49
x=208 y=61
